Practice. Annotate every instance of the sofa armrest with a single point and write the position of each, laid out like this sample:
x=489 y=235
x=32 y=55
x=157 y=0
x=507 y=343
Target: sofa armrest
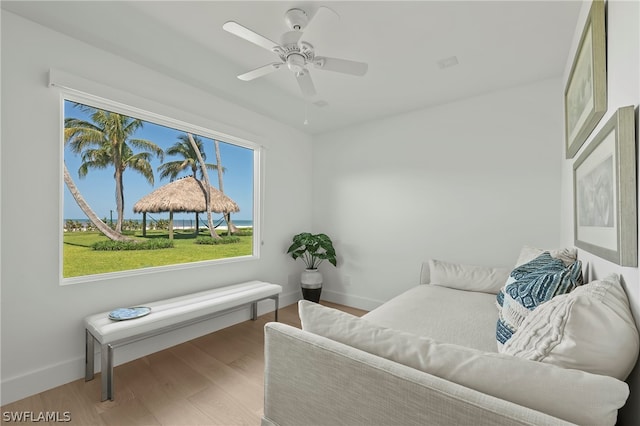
x=311 y=380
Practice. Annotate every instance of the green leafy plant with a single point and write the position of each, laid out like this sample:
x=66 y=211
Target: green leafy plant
x=215 y=241
x=313 y=249
x=243 y=232
x=110 y=245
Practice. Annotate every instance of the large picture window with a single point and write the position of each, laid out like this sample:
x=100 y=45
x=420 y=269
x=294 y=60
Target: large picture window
x=143 y=191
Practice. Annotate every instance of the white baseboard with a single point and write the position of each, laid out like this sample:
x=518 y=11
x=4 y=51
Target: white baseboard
x=290 y=298
x=51 y=376
x=33 y=382
x=350 y=300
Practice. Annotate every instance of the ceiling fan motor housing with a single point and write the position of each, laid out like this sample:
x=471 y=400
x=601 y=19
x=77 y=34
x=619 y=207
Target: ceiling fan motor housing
x=296 y=19
x=296 y=62
x=295 y=55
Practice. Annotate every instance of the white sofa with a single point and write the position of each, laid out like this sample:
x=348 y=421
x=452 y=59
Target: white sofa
x=429 y=357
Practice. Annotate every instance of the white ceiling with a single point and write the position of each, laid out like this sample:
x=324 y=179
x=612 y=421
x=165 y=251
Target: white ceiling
x=498 y=44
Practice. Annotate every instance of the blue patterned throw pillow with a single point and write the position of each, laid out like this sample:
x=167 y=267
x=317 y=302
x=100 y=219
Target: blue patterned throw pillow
x=543 y=264
x=529 y=286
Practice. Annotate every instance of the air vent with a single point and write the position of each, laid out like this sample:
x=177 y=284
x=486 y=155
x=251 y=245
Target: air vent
x=448 y=62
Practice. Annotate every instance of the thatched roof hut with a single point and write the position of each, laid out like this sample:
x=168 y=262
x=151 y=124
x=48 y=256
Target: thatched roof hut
x=184 y=195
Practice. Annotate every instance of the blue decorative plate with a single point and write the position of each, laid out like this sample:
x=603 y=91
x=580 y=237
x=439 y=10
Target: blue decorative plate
x=122 y=314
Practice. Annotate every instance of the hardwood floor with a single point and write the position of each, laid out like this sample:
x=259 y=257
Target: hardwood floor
x=216 y=379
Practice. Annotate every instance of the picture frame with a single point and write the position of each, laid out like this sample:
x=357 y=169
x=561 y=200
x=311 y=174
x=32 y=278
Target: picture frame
x=605 y=192
x=585 y=96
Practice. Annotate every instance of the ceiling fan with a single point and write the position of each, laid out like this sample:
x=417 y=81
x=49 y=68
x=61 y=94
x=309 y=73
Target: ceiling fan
x=295 y=53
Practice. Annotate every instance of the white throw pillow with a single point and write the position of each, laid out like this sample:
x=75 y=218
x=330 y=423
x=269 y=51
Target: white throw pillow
x=590 y=329
x=571 y=395
x=467 y=277
x=567 y=255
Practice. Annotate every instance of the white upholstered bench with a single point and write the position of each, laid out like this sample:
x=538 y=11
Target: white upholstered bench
x=167 y=315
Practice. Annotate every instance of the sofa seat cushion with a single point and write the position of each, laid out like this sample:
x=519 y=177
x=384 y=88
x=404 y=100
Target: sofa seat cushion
x=572 y=395
x=460 y=317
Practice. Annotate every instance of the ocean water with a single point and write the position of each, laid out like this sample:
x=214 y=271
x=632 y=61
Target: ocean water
x=177 y=223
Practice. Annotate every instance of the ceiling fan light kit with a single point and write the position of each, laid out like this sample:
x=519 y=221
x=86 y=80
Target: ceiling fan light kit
x=297 y=54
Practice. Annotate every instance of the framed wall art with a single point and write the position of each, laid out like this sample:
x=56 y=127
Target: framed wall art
x=585 y=96
x=605 y=191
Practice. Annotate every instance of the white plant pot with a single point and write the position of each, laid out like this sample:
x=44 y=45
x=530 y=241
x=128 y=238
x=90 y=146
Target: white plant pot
x=311 y=283
x=311 y=278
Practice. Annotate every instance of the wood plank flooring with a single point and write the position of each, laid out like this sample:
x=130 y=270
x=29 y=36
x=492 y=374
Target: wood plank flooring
x=216 y=379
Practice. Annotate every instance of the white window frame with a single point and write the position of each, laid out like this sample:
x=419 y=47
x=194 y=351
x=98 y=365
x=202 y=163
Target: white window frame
x=67 y=93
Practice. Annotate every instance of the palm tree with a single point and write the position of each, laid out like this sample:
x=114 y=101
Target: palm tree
x=231 y=228
x=86 y=209
x=183 y=148
x=107 y=141
x=205 y=176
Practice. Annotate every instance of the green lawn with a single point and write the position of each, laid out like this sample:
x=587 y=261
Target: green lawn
x=80 y=259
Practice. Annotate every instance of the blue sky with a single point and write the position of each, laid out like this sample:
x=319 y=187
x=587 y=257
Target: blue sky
x=98 y=186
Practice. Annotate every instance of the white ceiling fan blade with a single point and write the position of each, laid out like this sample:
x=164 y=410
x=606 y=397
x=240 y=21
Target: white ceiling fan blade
x=249 y=35
x=306 y=84
x=341 y=65
x=259 y=72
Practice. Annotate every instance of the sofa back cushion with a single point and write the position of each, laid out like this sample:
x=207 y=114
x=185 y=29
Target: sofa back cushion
x=466 y=277
x=590 y=329
x=571 y=395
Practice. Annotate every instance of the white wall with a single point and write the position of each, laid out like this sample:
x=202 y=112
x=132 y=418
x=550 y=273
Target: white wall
x=623 y=88
x=470 y=181
x=42 y=332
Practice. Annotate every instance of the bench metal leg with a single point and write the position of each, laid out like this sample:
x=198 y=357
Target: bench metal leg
x=106 y=354
x=88 y=356
x=107 y=372
x=254 y=311
x=254 y=308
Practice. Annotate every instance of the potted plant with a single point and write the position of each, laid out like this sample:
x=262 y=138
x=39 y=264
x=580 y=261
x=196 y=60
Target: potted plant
x=313 y=249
